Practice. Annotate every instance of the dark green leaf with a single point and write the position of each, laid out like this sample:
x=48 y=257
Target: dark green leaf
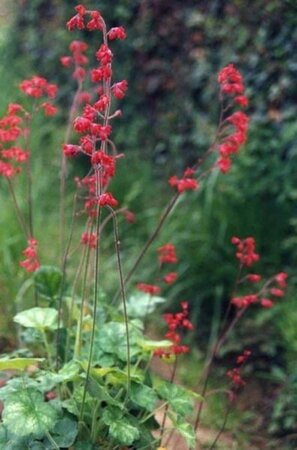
x=48 y=281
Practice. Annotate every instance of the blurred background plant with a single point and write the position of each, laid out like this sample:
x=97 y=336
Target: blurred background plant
x=172 y=55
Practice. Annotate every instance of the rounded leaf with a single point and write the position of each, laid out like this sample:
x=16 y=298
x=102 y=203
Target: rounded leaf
x=39 y=318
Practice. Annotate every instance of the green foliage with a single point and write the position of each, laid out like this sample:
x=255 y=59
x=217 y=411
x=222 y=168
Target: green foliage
x=26 y=413
x=48 y=282
x=40 y=318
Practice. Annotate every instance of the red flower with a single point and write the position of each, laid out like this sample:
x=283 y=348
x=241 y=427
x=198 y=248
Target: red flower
x=170 y=278
x=89 y=239
x=31 y=263
x=149 y=288
x=167 y=254
x=117 y=33
x=119 y=89
x=107 y=199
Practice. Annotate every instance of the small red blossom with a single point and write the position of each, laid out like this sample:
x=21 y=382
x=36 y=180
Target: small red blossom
x=116 y=33
x=104 y=55
x=281 y=279
x=80 y=9
x=254 y=278
x=31 y=263
x=96 y=22
x=76 y=22
x=89 y=239
x=230 y=80
x=167 y=254
x=246 y=251
x=170 y=278
x=49 y=109
x=81 y=124
x=277 y=292
x=187 y=183
x=149 y=288
x=267 y=303
x=129 y=216
x=107 y=199
x=70 y=150
x=119 y=89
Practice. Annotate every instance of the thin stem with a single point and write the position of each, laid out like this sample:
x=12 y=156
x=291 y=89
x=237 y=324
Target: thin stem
x=77 y=345
x=123 y=294
x=96 y=292
x=222 y=427
x=48 y=349
x=150 y=240
x=53 y=442
x=73 y=110
x=18 y=211
x=63 y=269
x=216 y=348
x=167 y=406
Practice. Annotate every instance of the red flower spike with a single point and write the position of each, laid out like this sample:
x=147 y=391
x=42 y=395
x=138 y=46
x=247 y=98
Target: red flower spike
x=174 y=322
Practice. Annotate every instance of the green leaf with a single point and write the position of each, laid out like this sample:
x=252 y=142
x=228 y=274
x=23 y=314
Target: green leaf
x=64 y=433
x=186 y=430
x=39 y=318
x=18 y=363
x=48 y=281
x=124 y=432
x=26 y=412
x=144 y=396
x=148 y=345
x=141 y=304
x=180 y=399
x=121 y=428
x=111 y=338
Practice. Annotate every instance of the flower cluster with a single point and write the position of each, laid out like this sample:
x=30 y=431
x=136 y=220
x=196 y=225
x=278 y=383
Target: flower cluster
x=274 y=287
x=175 y=322
x=37 y=87
x=186 y=183
x=167 y=254
x=232 y=87
x=235 y=374
x=31 y=263
x=93 y=125
x=90 y=239
x=14 y=124
x=246 y=251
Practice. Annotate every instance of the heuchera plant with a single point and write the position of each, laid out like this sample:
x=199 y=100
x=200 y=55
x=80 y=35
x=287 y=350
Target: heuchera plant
x=81 y=378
